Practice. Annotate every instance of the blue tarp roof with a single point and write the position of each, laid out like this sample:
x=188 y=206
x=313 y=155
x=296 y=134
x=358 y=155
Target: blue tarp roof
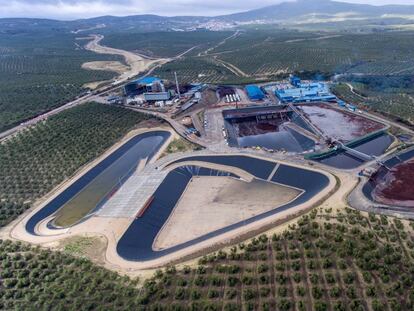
x=254 y=92
x=147 y=80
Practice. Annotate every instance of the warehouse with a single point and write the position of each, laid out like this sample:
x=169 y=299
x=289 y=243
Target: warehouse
x=295 y=81
x=157 y=96
x=144 y=85
x=311 y=92
x=254 y=93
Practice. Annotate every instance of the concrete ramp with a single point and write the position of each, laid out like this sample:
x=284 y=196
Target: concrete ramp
x=132 y=196
x=141 y=165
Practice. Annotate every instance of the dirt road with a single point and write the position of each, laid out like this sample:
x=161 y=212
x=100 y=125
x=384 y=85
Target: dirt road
x=379 y=118
x=206 y=52
x=136 y=63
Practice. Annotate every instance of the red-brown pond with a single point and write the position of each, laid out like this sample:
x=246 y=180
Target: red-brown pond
x=396 y=187
x=339 y=124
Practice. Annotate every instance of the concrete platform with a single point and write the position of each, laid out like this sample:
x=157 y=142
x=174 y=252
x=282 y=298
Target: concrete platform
x=132 y=195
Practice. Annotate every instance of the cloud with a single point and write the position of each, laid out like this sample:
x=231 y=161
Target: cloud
x=70 y=9
x=73 y=9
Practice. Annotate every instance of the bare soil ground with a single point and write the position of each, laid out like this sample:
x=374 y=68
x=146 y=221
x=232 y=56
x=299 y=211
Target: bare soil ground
x=114 y=66
x=136 y=63
x=93 y=248
x=211 y=203
x=93 y=85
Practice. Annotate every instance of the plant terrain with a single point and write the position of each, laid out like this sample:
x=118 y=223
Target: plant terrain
x=38 y=159
x=165 y=44
x=258 y=53
x=262 y=55
x=326 y=261
x=347 y=261
x=34 y=278
x=196 y=69
x=394 y=102
x=41 y=71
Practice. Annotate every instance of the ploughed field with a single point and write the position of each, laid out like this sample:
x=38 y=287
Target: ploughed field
x=315 y=265
x=43 y=70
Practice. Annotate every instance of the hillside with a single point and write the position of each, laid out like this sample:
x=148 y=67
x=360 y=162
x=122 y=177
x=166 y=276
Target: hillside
x=287 y=12
x=322 y=8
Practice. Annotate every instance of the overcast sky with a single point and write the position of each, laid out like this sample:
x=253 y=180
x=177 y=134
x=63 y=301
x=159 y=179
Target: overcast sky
x=72 y=9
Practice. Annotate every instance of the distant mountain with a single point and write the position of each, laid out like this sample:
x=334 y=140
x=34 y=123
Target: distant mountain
x=300 y=8
x=286 y=12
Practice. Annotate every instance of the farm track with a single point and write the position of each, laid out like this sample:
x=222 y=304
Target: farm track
x=379 y=118
x=237 y=71
x=313 y=39
x=137 y=63
x=206 y=52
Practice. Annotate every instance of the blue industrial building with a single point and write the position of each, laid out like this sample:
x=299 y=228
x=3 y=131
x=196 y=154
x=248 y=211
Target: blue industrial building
x=295 y=81
x=310 y=92
x=254 y=92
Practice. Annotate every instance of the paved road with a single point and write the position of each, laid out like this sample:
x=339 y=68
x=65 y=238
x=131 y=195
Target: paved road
x=178 y=127
x=71 y=104
x=84 y=99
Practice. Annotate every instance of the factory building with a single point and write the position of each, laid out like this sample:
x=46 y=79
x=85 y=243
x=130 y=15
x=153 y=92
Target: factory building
x=254 y=93
x=157 y=96
x=295 y=81
x=144 y=85
x=309 y=92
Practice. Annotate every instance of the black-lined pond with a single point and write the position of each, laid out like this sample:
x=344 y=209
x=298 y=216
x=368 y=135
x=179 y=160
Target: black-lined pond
x=92 y=189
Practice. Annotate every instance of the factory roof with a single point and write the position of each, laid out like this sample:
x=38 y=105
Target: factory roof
x=306 y=92
x=157 y=96
x=254 y=92
x=147 y=80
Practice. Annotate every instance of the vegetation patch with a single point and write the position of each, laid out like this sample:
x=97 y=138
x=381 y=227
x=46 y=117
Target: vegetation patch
x=326 y=261
x=37 y=279
x=42 y=70
x=395 y=103
x=78 y=245
x=163 y=43
x=346 y=261
x=180 y=145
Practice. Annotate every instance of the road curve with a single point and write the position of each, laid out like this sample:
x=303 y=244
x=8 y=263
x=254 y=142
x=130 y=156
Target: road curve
x=154 y=64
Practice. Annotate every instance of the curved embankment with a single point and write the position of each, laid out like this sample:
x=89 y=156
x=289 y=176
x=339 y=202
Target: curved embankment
x=384 y=188
x=137 y=63
x=137 y=242
x=92 y=188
